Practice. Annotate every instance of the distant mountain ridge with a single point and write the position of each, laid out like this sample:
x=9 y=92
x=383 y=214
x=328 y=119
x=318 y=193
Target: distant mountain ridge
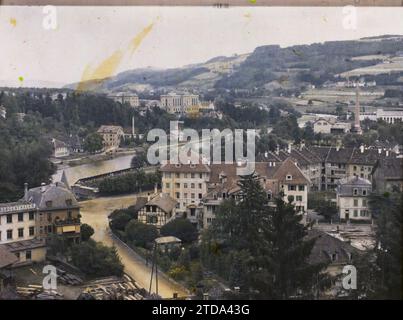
x=265 y=67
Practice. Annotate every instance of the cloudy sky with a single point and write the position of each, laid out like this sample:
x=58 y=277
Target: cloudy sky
x=162 y=37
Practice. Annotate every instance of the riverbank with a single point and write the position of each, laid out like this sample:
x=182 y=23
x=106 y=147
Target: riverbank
x=95 y=213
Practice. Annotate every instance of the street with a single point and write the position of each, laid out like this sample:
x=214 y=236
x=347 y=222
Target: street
x=95 y=213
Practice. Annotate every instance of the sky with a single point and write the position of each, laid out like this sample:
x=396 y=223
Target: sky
x=92 y=41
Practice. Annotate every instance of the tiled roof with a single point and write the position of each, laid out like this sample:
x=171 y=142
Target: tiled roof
x=326 y=245
x=24 y=245
x=185 y=168
x=110 y=129
x=57 y=193
x=288 y=167
x=391 y=168
x=163 y=201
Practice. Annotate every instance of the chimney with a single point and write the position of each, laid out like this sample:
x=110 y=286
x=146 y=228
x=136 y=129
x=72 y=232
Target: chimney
x=362 y=148
x=379 y=150
x=155 y=188
x=43 y=187
x=266 y=154
x=387 y=153
x=26 y=191
x=277 y=150
x=289 y=148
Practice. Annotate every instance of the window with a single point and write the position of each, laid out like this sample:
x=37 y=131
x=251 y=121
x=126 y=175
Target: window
x=201 y=175
x=17 y=255
x=177 y=185
x=28 y=255
x=31 y=216
x=301 y=188
x=185 y=195
x=355 y=192
x=192 y=175
x=334 y=257
x=185 y=185
x=364 y=202
x=200 y=195
x=152 y=219
x=299 y=198
x=21 y=233
x=20 y=217
x=291 y=187
x=192 y=185
x=355 y=202
x=289 y=177
x=69 y=202
x=48 y=204
x=9 y=218
x=355 y=212
x=176 y=175
x=177 y=195
x=192 y=195
x=31 y=231
x=364 y=192
x=167 y=185
x=200 y=186
x=9 y=234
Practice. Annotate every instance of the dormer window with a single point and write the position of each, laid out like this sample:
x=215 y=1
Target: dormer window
x=69 y=202
x=192 y=165
x=288 y=177
x=364 y=192
x=355 y=192
x=48 y=204
x=334 y=257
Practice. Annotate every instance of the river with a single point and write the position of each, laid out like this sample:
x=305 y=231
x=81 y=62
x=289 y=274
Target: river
x=95 y=213
x=95 y=168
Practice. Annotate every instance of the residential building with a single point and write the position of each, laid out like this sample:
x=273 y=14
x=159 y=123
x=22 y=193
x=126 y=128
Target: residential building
x=158 y=211
x=293 y=184
x=58 y=212
x=60 y=149
x=111 y=135
x=276 y=178
x=390 y=116
x=19 y=232
x=387 y=175
x=187 y=184
x=352 y=198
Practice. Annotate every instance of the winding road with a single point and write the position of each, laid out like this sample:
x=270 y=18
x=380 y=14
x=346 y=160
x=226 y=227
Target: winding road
x=95 y=213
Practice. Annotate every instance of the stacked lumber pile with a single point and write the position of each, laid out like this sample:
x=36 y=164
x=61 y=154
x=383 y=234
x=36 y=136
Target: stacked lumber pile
x=115 y=288
x=68 y=278
x=33 y=291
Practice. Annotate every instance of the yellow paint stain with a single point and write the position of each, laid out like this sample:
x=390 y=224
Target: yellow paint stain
x=109 y=66
x=21 y=79
x=13 y=22
x=252 y=1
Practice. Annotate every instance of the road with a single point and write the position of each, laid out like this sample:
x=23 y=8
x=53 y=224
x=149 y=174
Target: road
x=95 y=213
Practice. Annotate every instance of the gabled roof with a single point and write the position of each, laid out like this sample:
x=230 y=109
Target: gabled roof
x=326 y=245
x=289 y=168
x=110 y=129
x=390 y=168
x=163 y=201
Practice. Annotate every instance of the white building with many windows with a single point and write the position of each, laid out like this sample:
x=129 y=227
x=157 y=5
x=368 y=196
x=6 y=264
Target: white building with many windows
x=352 y=198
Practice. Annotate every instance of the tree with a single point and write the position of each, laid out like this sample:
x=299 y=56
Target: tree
x=119 y=220
x=86 y=232
x=180 y=228
x=327 y=209
x=139 y=160
x=93 y=142
x=287 y=270
x=96 y=260
x=140 y=234
x=387 y=211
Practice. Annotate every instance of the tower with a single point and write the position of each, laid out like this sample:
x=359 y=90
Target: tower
x=357 y=127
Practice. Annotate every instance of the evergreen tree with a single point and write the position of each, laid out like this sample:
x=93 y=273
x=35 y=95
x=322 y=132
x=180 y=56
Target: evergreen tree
x=287 y=272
